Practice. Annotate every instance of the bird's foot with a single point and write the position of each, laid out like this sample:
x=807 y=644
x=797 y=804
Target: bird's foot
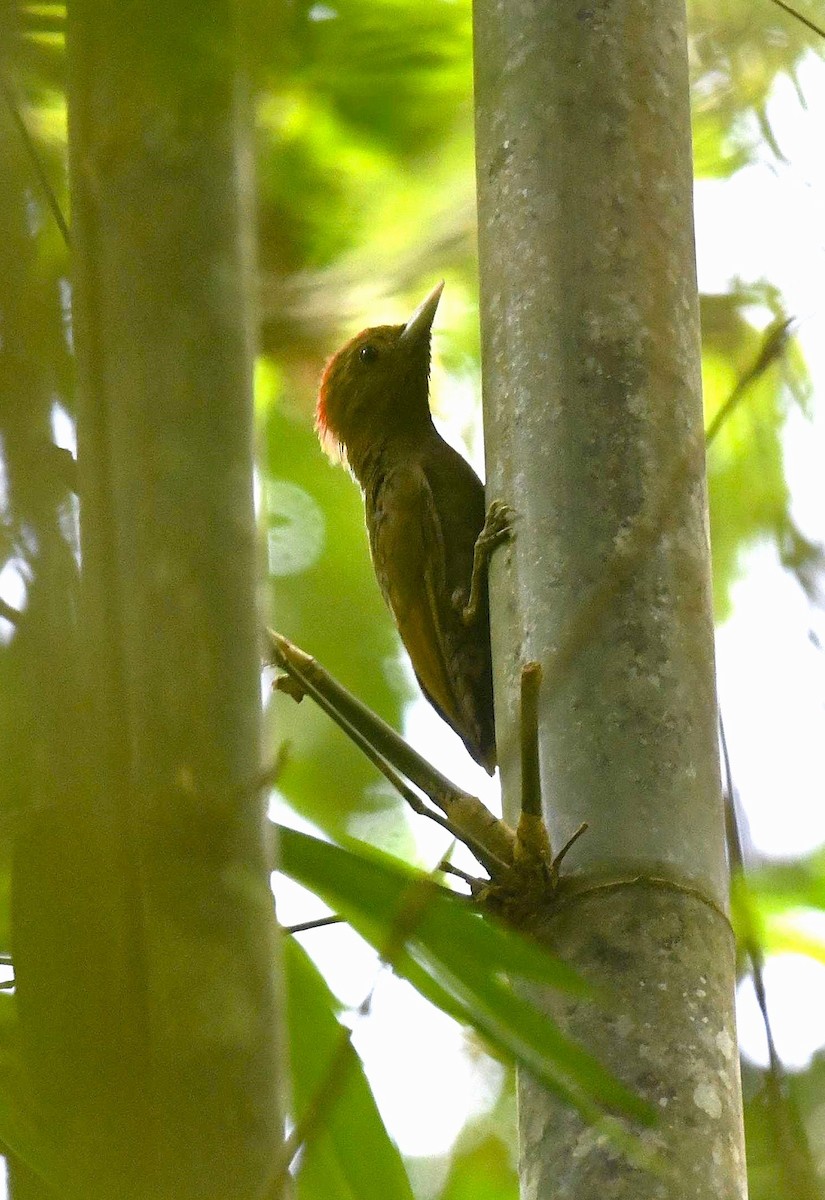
x=498 y=528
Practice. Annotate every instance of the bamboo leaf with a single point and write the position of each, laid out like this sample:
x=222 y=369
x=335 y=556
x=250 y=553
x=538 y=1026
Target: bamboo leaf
x=348 y=1150
x=460 y=961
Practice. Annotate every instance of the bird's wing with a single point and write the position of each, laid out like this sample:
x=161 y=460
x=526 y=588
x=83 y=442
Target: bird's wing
x=408 y=554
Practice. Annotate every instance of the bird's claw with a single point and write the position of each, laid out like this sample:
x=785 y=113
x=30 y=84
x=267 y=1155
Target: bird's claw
x=498 y=528
x=499 y=522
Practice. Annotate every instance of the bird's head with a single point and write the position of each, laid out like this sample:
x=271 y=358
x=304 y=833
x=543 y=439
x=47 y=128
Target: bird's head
x=376 y=385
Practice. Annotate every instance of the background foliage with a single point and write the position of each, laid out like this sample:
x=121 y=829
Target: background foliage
x=365 y=170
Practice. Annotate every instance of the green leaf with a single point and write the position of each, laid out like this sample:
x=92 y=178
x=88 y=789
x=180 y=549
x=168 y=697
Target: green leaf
x=482 y=1172
x=776 y=903
x=440 y=944
x=747 y=490
x=348 y=1152
x=782 y=886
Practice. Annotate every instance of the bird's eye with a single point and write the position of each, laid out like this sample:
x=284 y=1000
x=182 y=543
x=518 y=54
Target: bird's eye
x=368 y=353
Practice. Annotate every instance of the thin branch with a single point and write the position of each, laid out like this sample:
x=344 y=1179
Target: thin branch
x=772 y=348
x=569 y=844
x=36 y=161
x=10 y=614
x=448 y=868
x=297 y=686
x=489 y=839
x=336 y=700
x=737 y=866
x=319 y=923
x=734 y=838
x=753 y=949
x=805 y=20
x=792 y=1147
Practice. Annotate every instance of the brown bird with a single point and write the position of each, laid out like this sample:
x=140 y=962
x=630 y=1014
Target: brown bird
x=425 y=517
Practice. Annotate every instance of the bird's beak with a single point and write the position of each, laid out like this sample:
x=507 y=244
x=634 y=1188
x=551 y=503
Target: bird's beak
x=421 y=321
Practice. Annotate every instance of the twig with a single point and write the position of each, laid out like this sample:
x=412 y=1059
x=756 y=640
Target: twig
x=737 y=867
x=449 y=868
x=569 y=844
x=791 y=1143
x=34 y=155
x=319 y=923
x=299 y=685
x=773 y=345
x=805 y=20
x=9 y=614
x=489 y=839
x=336 y=700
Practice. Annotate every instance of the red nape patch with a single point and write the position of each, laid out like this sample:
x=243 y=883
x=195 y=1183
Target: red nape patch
x=330 y=443
x=321 y=403
x=340 y=364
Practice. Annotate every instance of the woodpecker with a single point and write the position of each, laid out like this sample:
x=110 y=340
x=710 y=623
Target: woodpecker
x=425 y=515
